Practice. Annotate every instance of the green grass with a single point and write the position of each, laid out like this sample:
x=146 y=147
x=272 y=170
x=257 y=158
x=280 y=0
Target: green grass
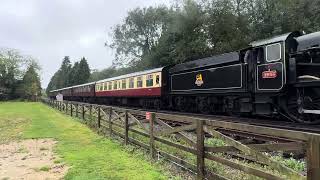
x=89 y=155
x=45 y=168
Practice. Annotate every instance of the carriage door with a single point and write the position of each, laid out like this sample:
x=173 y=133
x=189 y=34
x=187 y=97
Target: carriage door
x=270 y=75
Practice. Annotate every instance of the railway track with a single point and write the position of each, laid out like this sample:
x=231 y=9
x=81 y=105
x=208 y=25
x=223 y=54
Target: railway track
x=265 y=122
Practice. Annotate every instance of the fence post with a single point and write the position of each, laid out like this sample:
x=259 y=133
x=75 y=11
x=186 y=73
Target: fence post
x=126 y=129
x=66 y=108
x=152 y=120
x=77 y=109
x=90 y=113
x=83 y=112
x=99 y=116
x=110 y=122
x=71 y=109
x=313 y=159
x=200 y=150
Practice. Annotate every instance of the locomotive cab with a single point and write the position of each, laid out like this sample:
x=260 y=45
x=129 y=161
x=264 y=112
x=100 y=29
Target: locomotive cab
x=287 y=76
x=271 y=59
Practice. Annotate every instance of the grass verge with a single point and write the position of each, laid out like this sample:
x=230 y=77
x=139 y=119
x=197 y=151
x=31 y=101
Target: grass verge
x=89 y=155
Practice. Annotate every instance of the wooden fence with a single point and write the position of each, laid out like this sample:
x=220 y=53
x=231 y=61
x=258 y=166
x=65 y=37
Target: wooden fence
x=191 y=135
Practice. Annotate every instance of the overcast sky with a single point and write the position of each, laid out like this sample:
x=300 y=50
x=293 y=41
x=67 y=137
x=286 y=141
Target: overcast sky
x=48 y=30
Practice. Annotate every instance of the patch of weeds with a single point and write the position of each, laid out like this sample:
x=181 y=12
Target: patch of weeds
x=22 y=150
x=215 y=142
x=45 y=168
x=58 y=161
x=292 y=163
x=43 y=149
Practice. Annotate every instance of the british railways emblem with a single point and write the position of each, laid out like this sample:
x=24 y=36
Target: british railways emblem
x=199 y=80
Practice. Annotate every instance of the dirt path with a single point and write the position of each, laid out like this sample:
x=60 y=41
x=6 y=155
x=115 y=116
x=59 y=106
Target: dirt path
x=30 y=159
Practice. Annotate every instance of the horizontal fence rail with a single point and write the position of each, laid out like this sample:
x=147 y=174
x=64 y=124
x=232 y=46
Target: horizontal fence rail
x=152 y=131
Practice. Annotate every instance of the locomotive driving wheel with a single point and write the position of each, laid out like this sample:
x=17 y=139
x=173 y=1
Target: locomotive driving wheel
x=304 y=106
x=203 y=105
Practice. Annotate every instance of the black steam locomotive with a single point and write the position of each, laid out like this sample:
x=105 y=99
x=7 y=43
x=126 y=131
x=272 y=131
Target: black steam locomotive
x=277 y=77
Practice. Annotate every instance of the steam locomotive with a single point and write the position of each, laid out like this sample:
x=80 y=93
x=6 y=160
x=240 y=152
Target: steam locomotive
x=277 y=77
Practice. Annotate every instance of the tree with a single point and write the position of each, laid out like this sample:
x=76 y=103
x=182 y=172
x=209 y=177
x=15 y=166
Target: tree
x=84 y=71
x=65 y=69
x=31 y=84
x=141 y=31
x=74 y=74
x=69 y=75
x=61 y=78
x=12 y=65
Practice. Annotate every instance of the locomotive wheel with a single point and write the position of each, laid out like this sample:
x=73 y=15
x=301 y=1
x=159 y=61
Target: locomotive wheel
x=181 y=104
x=203 y=105
x=304 y=99
x=157 y=104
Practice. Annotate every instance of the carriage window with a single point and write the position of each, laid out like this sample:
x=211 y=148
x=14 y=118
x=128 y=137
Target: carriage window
x=115 y=85
x=131 y=83
x=157 y=79
x=101 y=87
x=105 y=86
x=109 y=85
x=124 y=84
x=139 y=81
x=97 y=87
x=149 y=80
x=273 y=52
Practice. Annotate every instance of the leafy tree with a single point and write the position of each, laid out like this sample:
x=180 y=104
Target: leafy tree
x=11 y=71
x=31 y=84
x=84 y=71
x=69 y=75
x=61 y=78
x=64 y=75
x=74 y=74
x=141 y=31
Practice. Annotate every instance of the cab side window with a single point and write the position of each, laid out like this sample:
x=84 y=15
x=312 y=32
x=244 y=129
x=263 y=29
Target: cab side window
x=273 y=52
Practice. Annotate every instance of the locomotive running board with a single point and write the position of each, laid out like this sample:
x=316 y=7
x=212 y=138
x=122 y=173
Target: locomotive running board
x=307 y=111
